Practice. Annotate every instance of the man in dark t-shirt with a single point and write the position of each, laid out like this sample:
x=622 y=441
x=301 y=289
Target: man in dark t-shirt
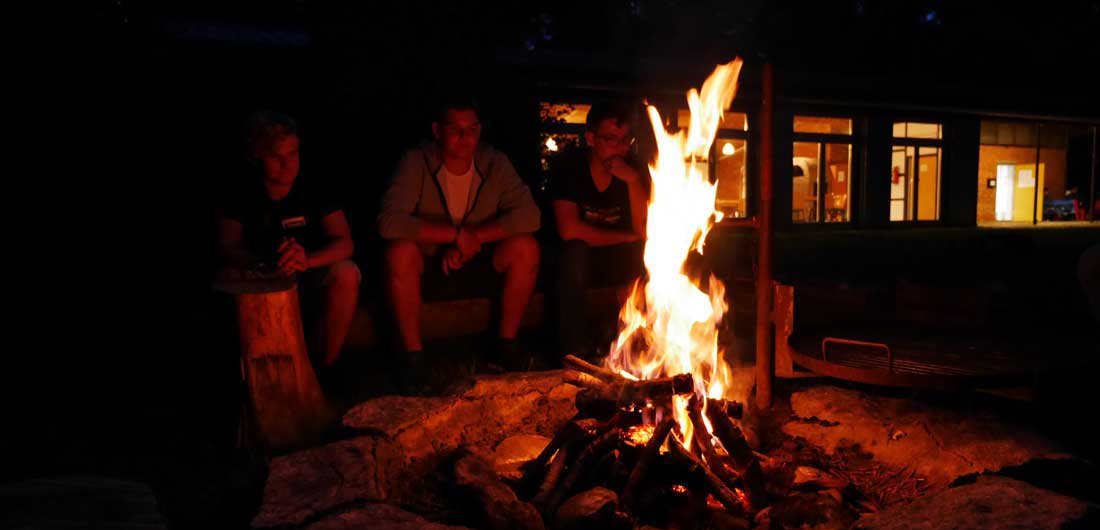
x=599 y=196
x=276 y=223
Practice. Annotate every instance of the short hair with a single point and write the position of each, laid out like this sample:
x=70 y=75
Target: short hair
x=264 y=127
x=620 y=111
x=455 y=102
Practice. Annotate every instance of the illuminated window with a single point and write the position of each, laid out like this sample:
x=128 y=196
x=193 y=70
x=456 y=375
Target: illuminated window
x=730 y=162
x=1030 y=172
x=730 y=170
x=564 y=112
x=561 y=127
x=820 y=125
x=731 y=121
x=821 y=170
x=916 y=161
x=928 y=131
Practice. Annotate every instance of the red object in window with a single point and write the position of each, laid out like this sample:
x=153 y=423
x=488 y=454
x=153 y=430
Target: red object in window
x=897 y=175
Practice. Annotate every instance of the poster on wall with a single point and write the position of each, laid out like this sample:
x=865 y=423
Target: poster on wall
x=1025 y=179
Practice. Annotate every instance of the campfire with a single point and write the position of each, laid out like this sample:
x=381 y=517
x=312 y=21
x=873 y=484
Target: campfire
x=655 y=427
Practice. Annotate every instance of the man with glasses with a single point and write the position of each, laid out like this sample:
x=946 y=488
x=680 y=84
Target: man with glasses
x=455 y=213
x=599 y=195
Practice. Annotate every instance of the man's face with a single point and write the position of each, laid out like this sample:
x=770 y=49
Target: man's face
x=280 y=162
x=611 y=139
x=459 y=133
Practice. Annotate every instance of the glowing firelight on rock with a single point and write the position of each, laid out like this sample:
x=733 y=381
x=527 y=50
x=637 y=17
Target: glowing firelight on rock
x=669 y=325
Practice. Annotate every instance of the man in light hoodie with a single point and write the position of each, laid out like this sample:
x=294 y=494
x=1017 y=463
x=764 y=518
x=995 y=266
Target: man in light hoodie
x=456 y=206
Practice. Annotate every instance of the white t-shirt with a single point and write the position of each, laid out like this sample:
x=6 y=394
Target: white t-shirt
x=457 y=190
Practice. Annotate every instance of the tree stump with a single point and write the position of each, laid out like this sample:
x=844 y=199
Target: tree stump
x=286 y=403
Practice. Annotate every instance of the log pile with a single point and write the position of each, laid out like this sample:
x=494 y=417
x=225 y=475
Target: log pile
x=621 y=462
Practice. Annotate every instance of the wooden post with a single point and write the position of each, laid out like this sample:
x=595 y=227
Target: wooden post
x=286 y=402
x=764 y=371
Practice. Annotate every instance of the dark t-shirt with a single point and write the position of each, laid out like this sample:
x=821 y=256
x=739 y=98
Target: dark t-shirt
x=266 y=222
x=570 y=179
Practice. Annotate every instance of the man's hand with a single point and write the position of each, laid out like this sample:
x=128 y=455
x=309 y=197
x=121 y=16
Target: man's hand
x=468 y=243
x=452 y=260
x=620 y=169
x=292 y=257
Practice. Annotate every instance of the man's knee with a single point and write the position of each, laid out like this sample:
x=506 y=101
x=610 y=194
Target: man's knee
x=403 y=259
x=343 y=275
x=520 y=251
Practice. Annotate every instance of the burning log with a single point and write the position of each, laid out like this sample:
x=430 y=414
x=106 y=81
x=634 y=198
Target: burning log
x=584 y=461
x=581 y=365
x=553 y=475
x=718 y=488
x=641 y=469
x=626 y=393
x=569 y=436
x=733 y=409
x=590 y=404
x=571 y=431
x=744 y=460
x=706 y=446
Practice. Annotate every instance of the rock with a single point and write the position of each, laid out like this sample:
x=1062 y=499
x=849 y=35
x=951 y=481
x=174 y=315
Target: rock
x=940 y=445
x=990 y=502
x=493 y=409
x=810 y=477
x=515 y=451
x=588 y=509
x=406 y=438
x=391 y=415
x=498 y=505
x=723 y=520
x=303 y=485
x=820 y=511
x=378 y=517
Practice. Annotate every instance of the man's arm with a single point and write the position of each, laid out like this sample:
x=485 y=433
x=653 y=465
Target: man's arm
x=568 y=218
x=637 y=190
x=340 y=245
x=396 y=219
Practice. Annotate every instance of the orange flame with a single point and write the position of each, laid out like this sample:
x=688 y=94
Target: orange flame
x=669 y=326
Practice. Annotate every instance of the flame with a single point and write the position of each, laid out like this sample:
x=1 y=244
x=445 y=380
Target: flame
x=639 y=435
x=669 y=325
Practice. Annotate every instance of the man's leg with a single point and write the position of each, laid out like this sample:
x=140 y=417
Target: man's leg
x=517 y=258
x=341 y=284
x=404 y=265
x=572 y=285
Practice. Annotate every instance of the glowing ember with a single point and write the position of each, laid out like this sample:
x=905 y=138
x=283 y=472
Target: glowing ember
x=639 y=435
x=669 y=326
x=679 y=488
